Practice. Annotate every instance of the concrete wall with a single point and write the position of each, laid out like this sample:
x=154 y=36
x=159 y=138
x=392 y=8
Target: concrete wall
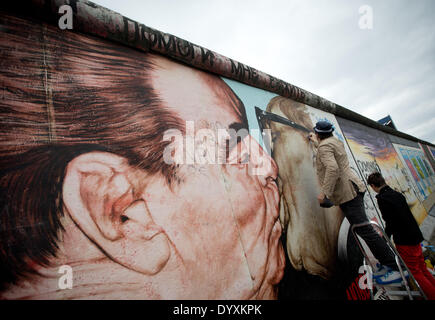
x=133 y=165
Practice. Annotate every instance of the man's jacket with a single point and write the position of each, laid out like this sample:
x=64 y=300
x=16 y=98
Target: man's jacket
x=399 y=220
x=334 y=173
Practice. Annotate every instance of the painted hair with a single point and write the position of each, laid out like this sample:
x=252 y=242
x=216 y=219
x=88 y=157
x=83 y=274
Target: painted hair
x=65 y=96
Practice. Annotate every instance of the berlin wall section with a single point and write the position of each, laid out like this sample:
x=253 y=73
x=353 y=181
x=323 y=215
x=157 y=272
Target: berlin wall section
x=137 y=160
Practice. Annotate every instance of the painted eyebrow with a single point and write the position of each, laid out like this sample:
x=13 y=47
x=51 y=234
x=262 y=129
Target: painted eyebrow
x=238 y=125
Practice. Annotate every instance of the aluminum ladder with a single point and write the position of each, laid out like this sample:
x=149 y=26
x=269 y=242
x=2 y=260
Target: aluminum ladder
x=399 y=262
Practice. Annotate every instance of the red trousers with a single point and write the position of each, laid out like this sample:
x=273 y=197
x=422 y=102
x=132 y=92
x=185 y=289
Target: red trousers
x=413 y=257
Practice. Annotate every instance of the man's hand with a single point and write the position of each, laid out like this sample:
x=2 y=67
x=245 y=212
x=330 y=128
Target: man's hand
x=324 y=202
x=320 y=197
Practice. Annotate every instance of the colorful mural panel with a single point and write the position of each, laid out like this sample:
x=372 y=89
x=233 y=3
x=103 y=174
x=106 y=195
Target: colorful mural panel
x=432 y=151
x=419 y=168
x=374 y=152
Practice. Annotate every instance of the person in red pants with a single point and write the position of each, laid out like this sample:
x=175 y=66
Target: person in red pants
x=413 y=257
x=400 y=224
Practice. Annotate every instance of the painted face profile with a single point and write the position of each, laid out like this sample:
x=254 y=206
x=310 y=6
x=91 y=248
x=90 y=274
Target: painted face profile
x=221 y=219
x=312 y=231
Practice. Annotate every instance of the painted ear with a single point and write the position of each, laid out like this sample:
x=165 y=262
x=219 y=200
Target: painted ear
x=99 y=197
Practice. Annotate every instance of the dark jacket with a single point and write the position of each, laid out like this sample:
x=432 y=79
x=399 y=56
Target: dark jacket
x=398 y=218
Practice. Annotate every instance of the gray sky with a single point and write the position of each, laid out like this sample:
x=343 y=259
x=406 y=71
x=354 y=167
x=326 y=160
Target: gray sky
x=319 y=46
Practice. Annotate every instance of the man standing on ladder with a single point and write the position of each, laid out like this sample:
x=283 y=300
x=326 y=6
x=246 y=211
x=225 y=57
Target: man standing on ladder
x=340 y=186
x=401 y=224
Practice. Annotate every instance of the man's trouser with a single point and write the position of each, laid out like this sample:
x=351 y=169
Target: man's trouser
x=413 y=257
x=355 y=213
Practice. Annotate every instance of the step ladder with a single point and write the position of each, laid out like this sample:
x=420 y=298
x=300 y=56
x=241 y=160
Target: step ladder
x=403 y=289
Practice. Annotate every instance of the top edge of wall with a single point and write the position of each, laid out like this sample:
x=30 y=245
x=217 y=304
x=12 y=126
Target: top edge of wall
x=90 y=18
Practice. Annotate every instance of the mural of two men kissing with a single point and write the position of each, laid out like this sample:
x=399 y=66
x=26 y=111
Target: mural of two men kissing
x=84 y=182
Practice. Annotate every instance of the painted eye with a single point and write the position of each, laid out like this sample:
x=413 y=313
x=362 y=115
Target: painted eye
x=275 y=136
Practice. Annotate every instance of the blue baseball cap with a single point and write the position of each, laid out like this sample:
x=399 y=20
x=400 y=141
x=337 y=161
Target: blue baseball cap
x=323 y=126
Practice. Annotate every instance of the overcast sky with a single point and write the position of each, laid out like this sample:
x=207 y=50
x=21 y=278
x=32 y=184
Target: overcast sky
x=319 y=46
